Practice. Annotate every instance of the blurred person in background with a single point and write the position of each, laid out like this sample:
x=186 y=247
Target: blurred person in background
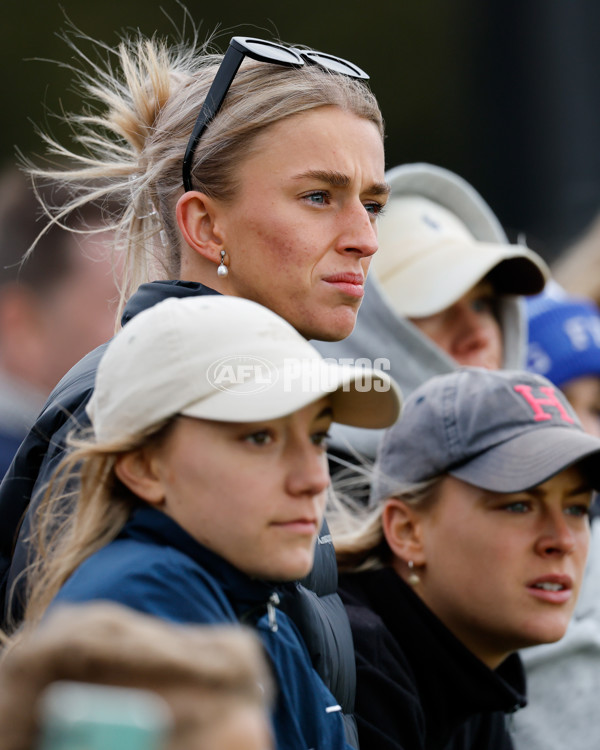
x=444 y=290
x=54 y=308
x=563 y=679
x=564 y=345
x=215 y=681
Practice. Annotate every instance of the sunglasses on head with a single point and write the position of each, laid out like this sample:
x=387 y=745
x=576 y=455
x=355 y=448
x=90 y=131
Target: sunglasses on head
x=263 y=51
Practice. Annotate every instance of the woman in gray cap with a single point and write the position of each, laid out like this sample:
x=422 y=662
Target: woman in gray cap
x=475 y=547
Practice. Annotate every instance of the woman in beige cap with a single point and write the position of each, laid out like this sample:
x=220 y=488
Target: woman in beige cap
x=203 y=487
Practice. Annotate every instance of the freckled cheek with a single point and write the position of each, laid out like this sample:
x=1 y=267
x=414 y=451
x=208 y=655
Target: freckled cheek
x=283 y=249
x=287 y=238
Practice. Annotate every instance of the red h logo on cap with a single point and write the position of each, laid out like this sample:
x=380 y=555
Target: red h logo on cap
x=551 y=399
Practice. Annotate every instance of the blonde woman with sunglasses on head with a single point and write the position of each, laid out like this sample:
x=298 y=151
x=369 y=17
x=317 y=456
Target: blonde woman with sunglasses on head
x=255 y=174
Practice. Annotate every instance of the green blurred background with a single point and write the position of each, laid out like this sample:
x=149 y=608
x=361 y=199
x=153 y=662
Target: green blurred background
x=504 y=93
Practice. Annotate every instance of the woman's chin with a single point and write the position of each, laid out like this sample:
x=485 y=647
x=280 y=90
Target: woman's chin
x=289 y=570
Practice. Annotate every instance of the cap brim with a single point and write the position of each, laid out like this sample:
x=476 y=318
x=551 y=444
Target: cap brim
x=530 y=459
x=440 y=276
x=360 y=397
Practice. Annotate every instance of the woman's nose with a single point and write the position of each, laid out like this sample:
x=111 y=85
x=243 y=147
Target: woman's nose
x=309 y=472
x=556 y=537
x=359 y=232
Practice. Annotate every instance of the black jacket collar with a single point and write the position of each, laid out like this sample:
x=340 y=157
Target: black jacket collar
x=153 y=292
x=453 y=684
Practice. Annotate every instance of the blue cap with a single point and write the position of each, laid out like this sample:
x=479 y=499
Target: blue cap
x=564 y=336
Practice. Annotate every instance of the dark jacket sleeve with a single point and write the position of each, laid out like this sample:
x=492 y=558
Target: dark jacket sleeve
x=386 y=690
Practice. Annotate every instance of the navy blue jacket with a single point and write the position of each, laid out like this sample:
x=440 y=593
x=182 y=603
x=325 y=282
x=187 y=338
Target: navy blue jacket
x=156 y=567
x=313 y=604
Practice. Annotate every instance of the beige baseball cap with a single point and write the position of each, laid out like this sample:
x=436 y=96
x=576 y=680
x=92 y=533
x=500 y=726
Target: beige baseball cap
x=225 y=359
x=428 y=259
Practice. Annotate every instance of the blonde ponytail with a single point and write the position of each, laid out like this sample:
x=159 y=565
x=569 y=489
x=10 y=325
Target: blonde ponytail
x=83 y=509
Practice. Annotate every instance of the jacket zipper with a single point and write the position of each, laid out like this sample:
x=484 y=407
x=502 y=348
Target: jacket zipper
x=273 y=602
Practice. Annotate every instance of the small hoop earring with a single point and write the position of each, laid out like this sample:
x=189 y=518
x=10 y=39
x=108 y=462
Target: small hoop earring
x=413 y=577
x=222 y=270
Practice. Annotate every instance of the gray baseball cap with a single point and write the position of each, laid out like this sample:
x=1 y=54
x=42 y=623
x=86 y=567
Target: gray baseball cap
x=502 y=431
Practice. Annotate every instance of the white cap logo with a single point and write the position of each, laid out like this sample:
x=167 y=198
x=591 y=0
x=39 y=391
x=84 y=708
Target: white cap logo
x=242 y=374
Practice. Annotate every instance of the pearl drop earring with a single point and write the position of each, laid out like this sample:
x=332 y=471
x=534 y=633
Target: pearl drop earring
x=413 y=577
x=222 y=270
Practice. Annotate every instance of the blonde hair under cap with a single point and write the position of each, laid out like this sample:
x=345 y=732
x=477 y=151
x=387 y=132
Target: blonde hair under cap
x=225 y=359
x=438 y=239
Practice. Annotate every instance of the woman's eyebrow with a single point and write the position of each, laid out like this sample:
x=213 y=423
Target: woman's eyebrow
x=338 y=179
x=327 y=411
x=582 y=489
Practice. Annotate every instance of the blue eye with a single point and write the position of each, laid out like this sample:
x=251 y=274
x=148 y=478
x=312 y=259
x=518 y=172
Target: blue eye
x=318 y=197
x=579 y=511
x=375 y=208
x=261 y=437
x=519 y=506
x=320 y=439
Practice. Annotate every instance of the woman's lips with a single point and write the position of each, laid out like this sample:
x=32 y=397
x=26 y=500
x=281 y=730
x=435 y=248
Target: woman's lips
x=299 y=526
x=351 y=284
x=554 y=589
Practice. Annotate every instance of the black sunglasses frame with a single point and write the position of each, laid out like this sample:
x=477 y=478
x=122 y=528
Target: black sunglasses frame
x=239 y=48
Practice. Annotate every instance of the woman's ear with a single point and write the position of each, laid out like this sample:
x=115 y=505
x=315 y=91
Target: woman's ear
x=135 y=469
x=197 y=215
x=403 y=532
